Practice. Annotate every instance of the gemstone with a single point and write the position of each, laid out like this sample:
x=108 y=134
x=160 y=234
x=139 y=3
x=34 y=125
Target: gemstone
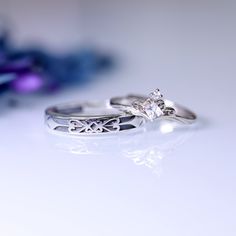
x=151 y=109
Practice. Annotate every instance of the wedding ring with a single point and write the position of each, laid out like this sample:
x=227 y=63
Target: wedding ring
x=113 y=116
x=153 y=107
x=90 y=118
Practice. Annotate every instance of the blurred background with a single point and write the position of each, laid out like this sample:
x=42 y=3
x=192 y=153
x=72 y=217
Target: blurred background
x=57 y=51
x=184 y=43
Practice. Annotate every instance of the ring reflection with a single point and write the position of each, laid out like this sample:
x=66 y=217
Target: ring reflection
x=147 y=146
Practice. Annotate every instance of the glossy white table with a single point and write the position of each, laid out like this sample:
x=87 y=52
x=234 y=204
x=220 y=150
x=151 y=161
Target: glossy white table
x=179 y=183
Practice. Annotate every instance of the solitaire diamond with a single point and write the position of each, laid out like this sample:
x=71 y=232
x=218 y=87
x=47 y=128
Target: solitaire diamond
x=152 y=108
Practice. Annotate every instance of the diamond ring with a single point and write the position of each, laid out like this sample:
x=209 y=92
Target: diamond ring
x=153 y=107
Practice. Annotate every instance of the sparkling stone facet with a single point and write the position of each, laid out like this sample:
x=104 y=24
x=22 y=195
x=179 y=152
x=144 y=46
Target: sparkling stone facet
x=152 y=109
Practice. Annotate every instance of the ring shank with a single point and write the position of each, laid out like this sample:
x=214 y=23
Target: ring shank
x=182 y=113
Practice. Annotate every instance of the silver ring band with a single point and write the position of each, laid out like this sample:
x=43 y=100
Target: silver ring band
x=89 y=118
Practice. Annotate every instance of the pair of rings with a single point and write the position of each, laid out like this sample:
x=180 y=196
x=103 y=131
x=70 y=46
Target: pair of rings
x=116 y=115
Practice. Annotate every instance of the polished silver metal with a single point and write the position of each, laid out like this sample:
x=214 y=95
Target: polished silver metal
x=89 y=118
x=153 y=107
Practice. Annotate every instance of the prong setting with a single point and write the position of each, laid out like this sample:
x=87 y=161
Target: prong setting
x=153 y=107
x=156 y=95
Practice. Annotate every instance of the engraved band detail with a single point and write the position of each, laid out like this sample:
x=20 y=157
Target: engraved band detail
x=59 y=119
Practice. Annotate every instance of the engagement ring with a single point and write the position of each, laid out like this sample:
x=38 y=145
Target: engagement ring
x=153 y=107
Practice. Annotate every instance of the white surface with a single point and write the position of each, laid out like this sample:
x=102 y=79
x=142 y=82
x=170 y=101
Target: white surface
x=47 y=187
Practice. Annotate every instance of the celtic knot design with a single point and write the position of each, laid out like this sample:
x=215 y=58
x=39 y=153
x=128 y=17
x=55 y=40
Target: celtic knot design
x=94 y=126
